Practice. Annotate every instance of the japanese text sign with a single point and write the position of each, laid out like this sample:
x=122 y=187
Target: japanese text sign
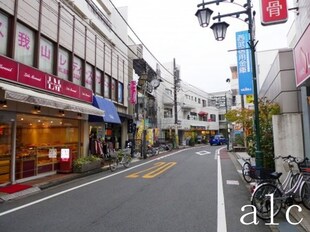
x=244 y=63
x=273 y=12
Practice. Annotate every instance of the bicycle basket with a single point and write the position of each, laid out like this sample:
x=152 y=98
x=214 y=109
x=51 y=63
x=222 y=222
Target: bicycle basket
x=113 y=154
x=305 y=167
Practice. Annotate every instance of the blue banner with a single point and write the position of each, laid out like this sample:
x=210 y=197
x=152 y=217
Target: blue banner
x=244 y=63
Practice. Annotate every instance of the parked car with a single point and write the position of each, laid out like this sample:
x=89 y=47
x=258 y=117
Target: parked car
x=217 y=140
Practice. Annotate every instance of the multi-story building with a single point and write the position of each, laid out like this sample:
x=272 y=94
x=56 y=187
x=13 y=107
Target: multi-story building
x=63 y=76
x=191 y=110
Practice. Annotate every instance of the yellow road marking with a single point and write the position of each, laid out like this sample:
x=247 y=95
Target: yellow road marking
x=136 y=174
x=158 y=169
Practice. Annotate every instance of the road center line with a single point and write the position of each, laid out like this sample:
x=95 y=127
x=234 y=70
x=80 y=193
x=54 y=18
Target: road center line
x=221 y=215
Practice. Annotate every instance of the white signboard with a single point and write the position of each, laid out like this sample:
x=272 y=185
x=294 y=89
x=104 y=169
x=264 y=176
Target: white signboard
x=52 y=153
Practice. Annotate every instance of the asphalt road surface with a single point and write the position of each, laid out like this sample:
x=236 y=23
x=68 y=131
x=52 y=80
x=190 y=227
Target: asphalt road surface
x=191 y=190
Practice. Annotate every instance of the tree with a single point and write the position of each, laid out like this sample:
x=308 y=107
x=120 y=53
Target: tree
x=245 y=116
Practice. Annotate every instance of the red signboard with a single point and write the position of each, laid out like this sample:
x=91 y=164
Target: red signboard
x=14 y=71
x=8 y=69
x=31 y=76
x=302 y=58
x=273 y=12
x=86 y=94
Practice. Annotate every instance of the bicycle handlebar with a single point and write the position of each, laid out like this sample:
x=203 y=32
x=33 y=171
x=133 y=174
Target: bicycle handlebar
x=290 y=158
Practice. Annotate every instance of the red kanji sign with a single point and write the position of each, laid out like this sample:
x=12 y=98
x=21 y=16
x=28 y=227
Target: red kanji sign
x=273 y=12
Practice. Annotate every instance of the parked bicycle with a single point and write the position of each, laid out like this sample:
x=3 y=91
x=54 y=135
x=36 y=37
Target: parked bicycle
x=295 y=188
x=120 y=157
x=250 y=174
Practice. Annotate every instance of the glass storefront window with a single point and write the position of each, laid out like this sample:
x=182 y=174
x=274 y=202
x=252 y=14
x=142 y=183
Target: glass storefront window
x=39 y=141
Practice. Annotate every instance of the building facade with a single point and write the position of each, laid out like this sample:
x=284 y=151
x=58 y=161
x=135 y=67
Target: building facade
x=63 y=84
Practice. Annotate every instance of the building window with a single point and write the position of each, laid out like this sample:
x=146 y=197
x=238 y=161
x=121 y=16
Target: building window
x=204 y=103
x=113 y=90
x=120 y=92
x=63 y=64
x=46 y=55
x=24 y=45
x=222 y=117
x=77 y=70
x=167 y=113
x=107 y=86
x=212 y=117
x=89 y=76
x=98 y=81
x=3 y=34
x=168 y=92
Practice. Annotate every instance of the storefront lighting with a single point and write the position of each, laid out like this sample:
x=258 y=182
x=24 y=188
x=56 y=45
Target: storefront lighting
x=4 y=104
x=37 y=109
x=62 y=112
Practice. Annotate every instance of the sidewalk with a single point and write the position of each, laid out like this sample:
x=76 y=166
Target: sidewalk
x=304 y=215
x=42 y=183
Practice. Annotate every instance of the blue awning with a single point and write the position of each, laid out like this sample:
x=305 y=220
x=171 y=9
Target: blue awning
x=110 y=115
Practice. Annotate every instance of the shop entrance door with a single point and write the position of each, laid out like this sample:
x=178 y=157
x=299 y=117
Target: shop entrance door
x=6 y=126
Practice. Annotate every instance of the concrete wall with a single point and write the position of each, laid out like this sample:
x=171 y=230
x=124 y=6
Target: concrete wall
x=279 y=85
x=288 y=137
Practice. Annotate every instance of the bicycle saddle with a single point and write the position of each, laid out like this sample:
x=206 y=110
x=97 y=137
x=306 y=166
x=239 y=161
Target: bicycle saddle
x=275 y=175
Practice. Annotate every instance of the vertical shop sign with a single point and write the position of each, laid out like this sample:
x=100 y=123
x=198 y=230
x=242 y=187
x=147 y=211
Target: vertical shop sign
x=302 y=58
x=273 y=12
x=244 y=63
x=133 y=93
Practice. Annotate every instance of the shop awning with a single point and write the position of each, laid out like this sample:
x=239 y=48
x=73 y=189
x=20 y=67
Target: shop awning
x=110 y=116
x=202 y=113
x=25 y=95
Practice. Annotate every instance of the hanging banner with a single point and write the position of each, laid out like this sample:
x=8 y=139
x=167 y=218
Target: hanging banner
x=133 y=92
x=244 y=63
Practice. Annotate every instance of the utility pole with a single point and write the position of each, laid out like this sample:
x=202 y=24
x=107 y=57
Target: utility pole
x=176 y=77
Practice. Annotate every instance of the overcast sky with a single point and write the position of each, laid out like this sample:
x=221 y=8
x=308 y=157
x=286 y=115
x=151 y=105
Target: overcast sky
x=170 y=29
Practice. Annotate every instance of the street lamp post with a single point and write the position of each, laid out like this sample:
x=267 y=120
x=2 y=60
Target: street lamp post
x=219 y=29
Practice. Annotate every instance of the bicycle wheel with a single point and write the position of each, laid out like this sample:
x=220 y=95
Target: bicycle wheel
x=126 y=161
x=262 y=203
x=113 y=164
x=305 y=194
x=297 y=194
x=246 y=168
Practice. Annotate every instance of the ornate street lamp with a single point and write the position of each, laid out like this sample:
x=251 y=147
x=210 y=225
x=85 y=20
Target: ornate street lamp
x=203 y=16
x=219 y=30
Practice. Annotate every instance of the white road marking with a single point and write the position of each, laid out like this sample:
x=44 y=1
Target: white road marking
x=83 y=185
x=232 y=182
x=221 y=215
x=203 y=153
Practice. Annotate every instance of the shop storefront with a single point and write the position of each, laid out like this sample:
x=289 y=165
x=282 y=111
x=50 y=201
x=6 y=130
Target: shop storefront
x=105 y=128
x=32 y=144
x=42 y=121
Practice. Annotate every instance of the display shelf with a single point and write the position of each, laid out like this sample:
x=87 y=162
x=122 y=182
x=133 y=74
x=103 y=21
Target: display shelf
x=35 y=160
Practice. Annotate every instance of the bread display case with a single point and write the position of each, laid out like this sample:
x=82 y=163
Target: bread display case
x=36 y=160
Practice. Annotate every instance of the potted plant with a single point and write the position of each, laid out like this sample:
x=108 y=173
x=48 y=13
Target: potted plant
x=86 y=163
